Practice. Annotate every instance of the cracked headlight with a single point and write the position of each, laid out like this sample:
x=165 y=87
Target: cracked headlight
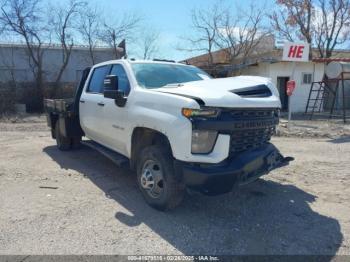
x=203 y=141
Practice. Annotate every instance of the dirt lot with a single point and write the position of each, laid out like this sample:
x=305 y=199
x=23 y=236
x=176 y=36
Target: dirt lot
x=94 y=207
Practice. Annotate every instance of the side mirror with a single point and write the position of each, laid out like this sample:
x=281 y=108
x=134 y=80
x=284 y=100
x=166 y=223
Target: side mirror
x=111 y=82
x=111 y=90
x=110 y=86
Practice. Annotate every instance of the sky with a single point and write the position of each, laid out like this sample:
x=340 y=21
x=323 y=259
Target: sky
x=171 y=18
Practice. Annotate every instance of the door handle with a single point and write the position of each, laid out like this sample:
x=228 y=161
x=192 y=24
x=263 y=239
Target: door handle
x=101 y=104
x=82 y=101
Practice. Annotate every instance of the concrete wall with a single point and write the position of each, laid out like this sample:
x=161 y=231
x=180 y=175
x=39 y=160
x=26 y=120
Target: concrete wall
x=14 y=59
x=285 y=69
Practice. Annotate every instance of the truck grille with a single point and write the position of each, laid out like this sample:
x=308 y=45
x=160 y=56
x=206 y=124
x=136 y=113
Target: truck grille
x=252 y=129
x=250 y=139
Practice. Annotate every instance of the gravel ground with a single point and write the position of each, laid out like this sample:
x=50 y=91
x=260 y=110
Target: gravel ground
x=314 y=129
x=90 y=206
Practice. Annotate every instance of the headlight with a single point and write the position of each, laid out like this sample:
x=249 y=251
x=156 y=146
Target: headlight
x=203 y=141
x=203 y=112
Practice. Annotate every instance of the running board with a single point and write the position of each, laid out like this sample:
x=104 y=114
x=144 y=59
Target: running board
x=117 y=158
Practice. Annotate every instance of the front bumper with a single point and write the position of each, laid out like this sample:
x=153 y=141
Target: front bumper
x=214 y=179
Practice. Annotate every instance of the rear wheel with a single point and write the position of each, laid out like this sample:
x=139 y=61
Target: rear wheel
x=76 y=142
x=63 y=143
x=157 y=180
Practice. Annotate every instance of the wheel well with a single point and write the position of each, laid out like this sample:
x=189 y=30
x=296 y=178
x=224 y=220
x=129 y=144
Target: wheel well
x=143 y=137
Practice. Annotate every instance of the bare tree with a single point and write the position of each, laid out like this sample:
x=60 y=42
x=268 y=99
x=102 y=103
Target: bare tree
x=149 y=43
x=8 y=62
x=64 y=26
x=120 y=29
x=90 y=29
x=22 y=17
x=240 y=34
x=294 y=19
x=323 y=23
x=8 y=78
x=205 y=25
x=334 y=27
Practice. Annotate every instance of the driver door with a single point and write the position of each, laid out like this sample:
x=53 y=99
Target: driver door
x=115 y=117
x=91 y=105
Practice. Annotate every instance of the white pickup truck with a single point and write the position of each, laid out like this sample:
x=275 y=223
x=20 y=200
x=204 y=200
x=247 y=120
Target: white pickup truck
x=173 y=124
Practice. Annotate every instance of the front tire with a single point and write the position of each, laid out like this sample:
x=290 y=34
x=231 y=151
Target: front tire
x=157 y=180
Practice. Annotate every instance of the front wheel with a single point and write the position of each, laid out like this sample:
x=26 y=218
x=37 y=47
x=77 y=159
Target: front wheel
x=156 y=178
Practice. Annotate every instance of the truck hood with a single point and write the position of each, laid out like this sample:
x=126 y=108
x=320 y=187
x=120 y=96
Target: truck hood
x=221 y=92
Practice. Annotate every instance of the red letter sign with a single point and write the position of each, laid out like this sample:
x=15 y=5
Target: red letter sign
x=297 y=52
x=292 y=51
x=300 y=51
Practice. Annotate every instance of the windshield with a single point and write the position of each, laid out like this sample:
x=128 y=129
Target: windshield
x=153 y=75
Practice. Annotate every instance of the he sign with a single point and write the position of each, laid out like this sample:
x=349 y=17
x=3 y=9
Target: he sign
x=290 y=87
x=297 y=52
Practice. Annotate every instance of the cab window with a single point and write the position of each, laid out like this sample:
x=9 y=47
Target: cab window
x=97 y=78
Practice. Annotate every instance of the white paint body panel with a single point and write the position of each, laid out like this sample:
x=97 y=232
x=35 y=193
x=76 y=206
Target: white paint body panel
x=154 y=109
x=216 y=92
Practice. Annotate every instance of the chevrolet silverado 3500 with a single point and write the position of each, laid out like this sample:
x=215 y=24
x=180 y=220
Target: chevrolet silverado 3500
x=173 y=124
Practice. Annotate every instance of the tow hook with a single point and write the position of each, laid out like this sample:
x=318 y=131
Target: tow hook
x=275 y=160
x=287 y=159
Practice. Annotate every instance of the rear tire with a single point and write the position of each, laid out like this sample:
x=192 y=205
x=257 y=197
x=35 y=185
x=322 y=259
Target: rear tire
x=156 y=178
x=76 y=142
x=63 y=143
